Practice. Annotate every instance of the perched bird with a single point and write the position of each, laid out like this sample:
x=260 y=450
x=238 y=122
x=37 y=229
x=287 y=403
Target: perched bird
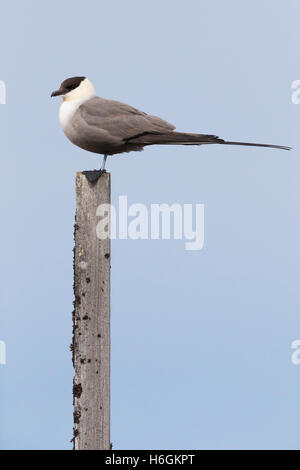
x=108 y=127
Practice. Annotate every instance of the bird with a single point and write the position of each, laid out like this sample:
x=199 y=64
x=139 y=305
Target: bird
x=110 y=127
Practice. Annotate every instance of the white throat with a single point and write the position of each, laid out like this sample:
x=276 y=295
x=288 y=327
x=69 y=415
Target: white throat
x=73 y=99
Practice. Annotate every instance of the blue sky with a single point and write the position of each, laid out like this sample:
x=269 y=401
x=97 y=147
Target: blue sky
x=201 y=341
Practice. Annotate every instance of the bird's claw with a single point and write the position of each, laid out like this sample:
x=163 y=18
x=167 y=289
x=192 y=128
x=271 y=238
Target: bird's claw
x=93 y=175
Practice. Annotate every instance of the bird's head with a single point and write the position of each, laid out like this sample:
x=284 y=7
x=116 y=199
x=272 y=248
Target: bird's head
x=75 y=88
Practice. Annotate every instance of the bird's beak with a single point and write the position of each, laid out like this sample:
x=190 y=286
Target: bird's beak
x=57 y=93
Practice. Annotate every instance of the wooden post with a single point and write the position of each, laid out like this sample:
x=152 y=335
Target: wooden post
x=91 y=319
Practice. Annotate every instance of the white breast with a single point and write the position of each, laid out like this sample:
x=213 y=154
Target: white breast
x=67 y=111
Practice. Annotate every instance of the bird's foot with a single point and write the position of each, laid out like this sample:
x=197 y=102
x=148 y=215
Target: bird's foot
x=93 y=175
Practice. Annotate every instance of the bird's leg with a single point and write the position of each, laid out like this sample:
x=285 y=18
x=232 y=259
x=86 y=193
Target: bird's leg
x=103 y=163
x=93 y=176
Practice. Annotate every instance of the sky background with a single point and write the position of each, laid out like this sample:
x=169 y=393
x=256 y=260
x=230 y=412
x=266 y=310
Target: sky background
x=201 y=341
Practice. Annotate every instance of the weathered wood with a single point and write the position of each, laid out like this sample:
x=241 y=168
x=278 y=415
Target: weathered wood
x=91 y=319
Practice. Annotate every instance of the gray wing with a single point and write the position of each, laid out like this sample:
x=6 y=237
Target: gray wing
x=120 y=120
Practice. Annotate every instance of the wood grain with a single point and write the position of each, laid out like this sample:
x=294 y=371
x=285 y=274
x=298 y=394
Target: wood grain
x=91 y=319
